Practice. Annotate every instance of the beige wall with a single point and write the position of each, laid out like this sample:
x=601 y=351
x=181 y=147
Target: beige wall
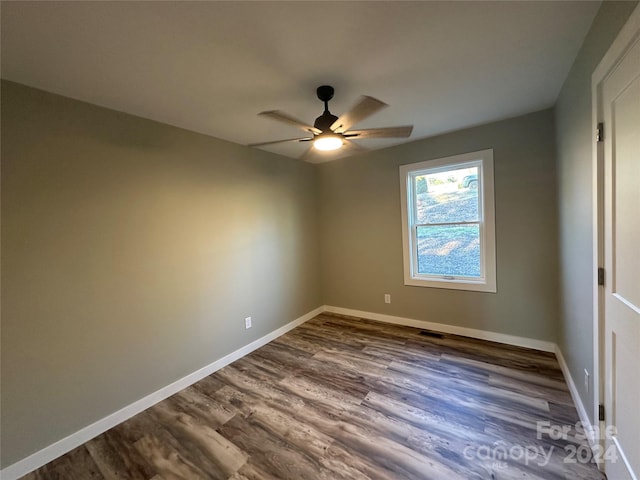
x=361 y=231
x=575 y=136
x=131 y=253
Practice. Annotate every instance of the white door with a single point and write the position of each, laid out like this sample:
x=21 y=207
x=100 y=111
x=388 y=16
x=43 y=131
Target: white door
x=621 y=115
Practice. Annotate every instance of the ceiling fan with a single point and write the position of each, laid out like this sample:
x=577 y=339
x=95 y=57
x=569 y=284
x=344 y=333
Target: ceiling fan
x=330 y=132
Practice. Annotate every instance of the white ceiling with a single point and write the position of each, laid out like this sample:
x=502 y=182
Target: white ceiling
x=211 y=67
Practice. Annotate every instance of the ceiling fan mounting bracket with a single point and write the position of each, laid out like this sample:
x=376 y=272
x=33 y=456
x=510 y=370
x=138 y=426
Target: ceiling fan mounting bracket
x=325 y=93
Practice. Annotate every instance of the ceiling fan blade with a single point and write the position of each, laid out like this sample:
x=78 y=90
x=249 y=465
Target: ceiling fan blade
x=262 y=144
x=365 y=107
x=389 y=132
x=286 y=118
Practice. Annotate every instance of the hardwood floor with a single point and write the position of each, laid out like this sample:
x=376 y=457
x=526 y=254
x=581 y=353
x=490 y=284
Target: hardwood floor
x=343 y=398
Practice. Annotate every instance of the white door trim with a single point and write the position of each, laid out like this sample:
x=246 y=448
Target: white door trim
x=625 y=39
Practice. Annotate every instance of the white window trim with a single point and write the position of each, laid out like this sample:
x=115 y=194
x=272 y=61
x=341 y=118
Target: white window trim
x=487 y=281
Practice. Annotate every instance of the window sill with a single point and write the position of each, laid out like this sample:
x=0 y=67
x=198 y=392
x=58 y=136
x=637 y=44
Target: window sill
x=452 y=284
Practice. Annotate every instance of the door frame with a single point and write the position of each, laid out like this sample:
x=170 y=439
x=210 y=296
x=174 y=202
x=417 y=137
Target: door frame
x=627 y=36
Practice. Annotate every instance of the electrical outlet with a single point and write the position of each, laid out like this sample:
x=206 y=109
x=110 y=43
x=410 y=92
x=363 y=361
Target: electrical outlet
x=586 y=380
x=387 y=298
x=247 y=322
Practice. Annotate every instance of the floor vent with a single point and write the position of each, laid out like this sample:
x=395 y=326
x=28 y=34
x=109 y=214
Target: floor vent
x=428 y=333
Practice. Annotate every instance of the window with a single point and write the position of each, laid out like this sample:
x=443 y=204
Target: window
x=448 y=222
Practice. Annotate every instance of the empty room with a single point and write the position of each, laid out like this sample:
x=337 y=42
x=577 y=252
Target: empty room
x=386 y=240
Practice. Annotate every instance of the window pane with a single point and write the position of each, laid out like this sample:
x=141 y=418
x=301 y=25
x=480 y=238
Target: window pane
x=449 y=250
x=447 y=197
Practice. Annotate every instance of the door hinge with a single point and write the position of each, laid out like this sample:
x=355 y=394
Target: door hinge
x=600 y=276
x=601 y=413
x=600 y=132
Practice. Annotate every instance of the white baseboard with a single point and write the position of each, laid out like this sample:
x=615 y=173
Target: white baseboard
x=582 y=412
x=53 y=451
x=444 y=328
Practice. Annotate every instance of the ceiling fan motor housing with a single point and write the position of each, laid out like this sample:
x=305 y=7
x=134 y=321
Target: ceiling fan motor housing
x=324 y=121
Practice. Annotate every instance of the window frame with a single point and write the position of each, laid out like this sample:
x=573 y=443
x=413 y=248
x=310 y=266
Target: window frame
x=483 y=159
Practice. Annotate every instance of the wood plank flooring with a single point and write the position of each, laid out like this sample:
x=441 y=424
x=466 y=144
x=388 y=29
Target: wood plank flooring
x=344 y=398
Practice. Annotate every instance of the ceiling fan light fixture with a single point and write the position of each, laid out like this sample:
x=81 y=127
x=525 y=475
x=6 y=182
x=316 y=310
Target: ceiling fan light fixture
x=327 y=142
